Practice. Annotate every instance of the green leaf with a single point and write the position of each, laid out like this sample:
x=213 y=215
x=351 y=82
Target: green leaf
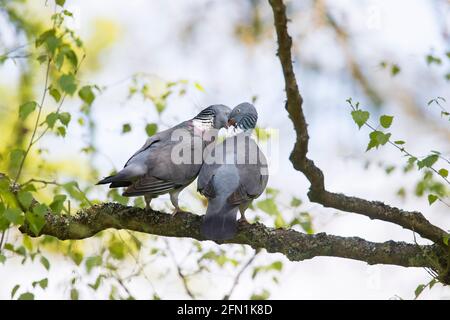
x=16 y=156
x=60 y=2
x=70 y=55
x=377 y=138
x=14 y=290
x=42 y=283
x=14 y=215
x=279 y=221
x=117 y=250
x=50 y=39
x=44 y=261
x=151 y=129
x=42 y=58
x=399 y=142
x=268 y=206
x=199 y=87
x=262 y=134
x=67 y=82
x=419 y=290
x=277 y=265
x=4 y=185
x=59 y=60
x=428 y=161
x=272 y=192
x=36 y=218
x=27 y=108
x=92 y=262
x=160 y=106
x=55 y=94
x=25 y=198
x=446 y=238
x=86 y=94
x=97 y=283
x=395 y=69
x=51 y=119
x=412 y=160
x=305 y=222
x=443 y=173
x=27 y=243
x=73 y=189
x=126 y=127
x=77 y=257
x=295 y=202
x=61 y=131
x=432 y=59
x=74 y=294
x=2 y=258
x=58 y=203
x=264 y=295
x=26 y=296
x=67 y=13
x=386 y=121
x=114 y=194
x=360 y=117
x=432 y=198
x=64 y=117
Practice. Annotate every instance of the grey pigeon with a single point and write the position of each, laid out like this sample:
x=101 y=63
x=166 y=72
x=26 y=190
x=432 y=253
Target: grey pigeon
x=153 y=171
x=234 y=174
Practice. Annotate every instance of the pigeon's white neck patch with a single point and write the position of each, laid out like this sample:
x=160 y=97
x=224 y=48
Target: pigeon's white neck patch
x=202 y=125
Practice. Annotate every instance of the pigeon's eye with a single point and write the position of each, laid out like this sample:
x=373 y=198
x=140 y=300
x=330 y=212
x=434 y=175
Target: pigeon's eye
x=238 y=110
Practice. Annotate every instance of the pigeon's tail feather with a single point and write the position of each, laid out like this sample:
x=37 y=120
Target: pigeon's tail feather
x=119 y=184
x=107 y=180
x=220 y=224
x=123 y=178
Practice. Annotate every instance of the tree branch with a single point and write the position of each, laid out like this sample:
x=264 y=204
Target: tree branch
x=296 y=246
x=411 y=220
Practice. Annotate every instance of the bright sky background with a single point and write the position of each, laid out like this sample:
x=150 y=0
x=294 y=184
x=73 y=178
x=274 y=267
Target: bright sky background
x=398 y=31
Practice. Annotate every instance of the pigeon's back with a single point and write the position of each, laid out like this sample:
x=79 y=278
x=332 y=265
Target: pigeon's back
x=234 y=174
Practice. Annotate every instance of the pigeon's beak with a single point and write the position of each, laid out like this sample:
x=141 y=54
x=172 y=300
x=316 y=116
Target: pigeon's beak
x=231 y=122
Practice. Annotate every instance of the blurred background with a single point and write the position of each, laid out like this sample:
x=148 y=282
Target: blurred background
x=144 y=66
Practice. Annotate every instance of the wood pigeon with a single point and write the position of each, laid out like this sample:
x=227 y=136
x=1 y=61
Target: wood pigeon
x=234 y=173
x=156 y=169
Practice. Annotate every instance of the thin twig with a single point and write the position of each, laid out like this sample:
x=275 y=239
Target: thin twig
x=58 y=109
x=2 y=239
x=180 y=272
x=124 y=287
x=138 y=264
x=236 y=279
x=36 y=123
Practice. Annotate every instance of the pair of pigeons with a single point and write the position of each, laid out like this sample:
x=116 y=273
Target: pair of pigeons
x=230 y=174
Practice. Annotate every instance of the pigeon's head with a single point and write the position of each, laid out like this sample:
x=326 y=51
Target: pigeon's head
x=217 y=114
x=244 y=116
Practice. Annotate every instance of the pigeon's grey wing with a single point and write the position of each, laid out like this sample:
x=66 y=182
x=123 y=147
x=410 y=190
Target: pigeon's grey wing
x=163 y=173
x=252 y=180
x=149 y=185
x=162 y=162
x=205 y=181
x=134 y=167
x=152 y=141
x=152 y=159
